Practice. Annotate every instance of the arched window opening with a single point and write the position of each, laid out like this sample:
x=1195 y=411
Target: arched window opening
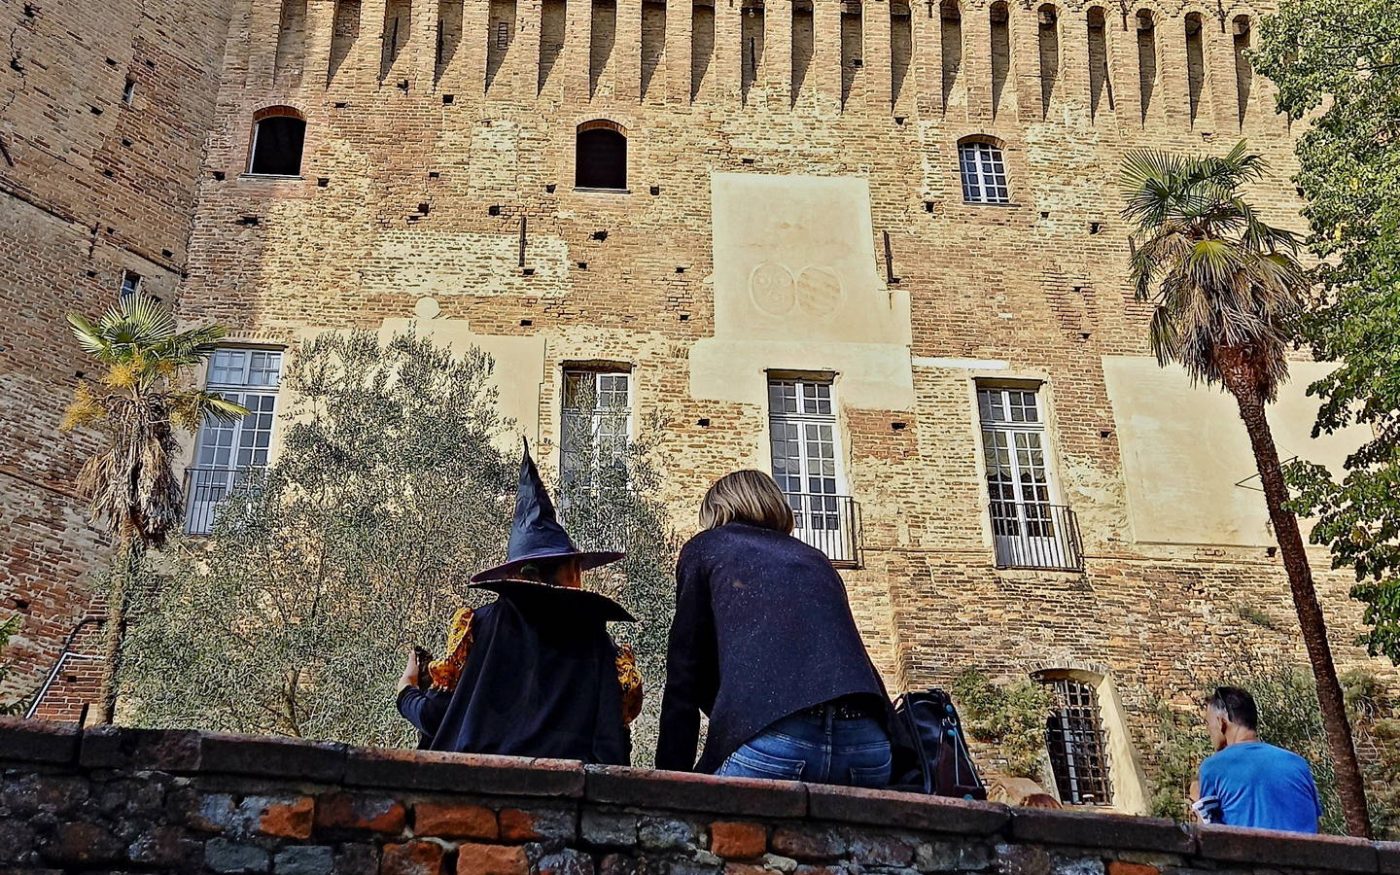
x=653 y=41
x=1001 y=52
x=702 y=43
x=852 y=46
x=1147 y=58
x=983 y=168
x=600 y=157
x=1244 y=73
x=1100 y=83
x=1048 y=18
x=345 y=29
x=751 y=50
x=1195 y=62
x=901 y=47
x=398 y=24
x=1075 y=739
x=500 y=35
x=291 y=44
x=803 y=40
x=602 y=37
x=952 y=43
x=279 y=133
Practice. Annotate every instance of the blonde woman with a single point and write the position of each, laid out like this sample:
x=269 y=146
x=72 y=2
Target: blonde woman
x=765 y=644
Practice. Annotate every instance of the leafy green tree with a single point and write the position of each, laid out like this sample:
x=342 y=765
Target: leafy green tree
x=1337 y=64
x=1227 y=292
x=1009 y=717
x=136 y=404
x=294 y=617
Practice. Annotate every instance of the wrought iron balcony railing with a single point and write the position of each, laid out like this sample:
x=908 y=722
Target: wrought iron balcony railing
x=831 y=523
x=1036 y=535
x=204 y=489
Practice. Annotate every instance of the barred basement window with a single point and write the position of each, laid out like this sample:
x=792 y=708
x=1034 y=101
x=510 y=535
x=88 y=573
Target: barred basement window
x=1074 y=738
x=279 y=133
x=983 y=173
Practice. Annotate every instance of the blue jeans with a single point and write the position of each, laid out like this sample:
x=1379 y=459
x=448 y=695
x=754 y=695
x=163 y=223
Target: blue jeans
x=826 y=749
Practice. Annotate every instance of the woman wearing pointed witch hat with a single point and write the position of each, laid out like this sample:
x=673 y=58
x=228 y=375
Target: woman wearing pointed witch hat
x=535 y=672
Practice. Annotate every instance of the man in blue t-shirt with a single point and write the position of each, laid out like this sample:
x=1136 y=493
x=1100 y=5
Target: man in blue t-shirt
x=1250 y=783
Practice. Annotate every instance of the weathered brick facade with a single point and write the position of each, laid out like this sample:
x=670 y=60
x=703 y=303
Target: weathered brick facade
x=104 y=108
x=440 y=145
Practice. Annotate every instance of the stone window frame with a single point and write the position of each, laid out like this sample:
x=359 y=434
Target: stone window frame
x=279 y=110
x=606 y=124
x=999 y=150
x=1130 y=787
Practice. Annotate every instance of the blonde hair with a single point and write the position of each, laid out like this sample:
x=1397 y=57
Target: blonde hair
x=746 y=497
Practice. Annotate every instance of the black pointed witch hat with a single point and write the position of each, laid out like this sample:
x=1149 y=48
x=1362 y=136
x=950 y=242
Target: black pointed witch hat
x=535 y=534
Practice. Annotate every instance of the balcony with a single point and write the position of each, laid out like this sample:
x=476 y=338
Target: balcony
x=204 y=489
x=1036 y=536
x=831 y=523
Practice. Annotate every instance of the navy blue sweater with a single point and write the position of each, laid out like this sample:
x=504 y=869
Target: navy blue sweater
x=763 y=629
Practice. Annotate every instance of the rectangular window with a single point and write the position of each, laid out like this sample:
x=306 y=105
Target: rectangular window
x=227 y=451
x=131 y=284
x=596 y=426
x=129 y=91
x=1074 y=738
x=807 y=464
x=983 y=174
x=1028 y=530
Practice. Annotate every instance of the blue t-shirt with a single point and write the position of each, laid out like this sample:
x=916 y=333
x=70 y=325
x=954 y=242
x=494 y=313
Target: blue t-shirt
x=1262 y=786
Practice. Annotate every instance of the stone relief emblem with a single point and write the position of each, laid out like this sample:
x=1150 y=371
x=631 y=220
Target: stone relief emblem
x=771 y=287
x=816 y=291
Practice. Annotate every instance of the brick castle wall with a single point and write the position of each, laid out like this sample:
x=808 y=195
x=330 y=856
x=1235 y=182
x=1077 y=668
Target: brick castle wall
x=184 y=802
x=91 y=186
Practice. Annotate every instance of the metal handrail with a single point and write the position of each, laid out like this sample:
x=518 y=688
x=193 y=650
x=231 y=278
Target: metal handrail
x=831 y=523
x=1036 y=535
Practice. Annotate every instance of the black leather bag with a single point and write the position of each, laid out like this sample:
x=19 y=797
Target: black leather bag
x=931 y=755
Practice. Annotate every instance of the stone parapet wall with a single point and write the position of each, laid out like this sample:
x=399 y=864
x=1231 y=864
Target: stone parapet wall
x=174 y=801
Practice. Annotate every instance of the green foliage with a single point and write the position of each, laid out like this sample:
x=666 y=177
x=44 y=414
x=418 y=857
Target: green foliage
x=1286 y=695
x=8 y=629
x=390 y=491
x=1337 y=64
x=1225 y=286
x=1009 y=716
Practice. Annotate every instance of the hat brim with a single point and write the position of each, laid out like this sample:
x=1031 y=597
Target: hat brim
x=587 y=559
x=573 y=601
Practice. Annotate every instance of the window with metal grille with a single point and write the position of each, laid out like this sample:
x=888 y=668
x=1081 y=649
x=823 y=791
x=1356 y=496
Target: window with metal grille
x=1075 y=740
x=596 y=426
x=225 y=452
x=983 y=173
x=807 y=464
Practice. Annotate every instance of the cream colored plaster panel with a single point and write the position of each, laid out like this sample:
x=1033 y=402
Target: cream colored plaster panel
x=465 y=263
x=1185 y=450
x=870 y=376
x=795 y=260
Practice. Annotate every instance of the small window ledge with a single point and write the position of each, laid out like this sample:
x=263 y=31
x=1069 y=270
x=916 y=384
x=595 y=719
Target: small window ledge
x=272 y=177
x=587 y=190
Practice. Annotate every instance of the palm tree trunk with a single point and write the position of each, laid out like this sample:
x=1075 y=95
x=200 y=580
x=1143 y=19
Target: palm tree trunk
x=1314 y=627
x=127 y=567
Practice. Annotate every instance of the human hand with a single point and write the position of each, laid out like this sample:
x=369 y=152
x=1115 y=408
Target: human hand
x=412 y=671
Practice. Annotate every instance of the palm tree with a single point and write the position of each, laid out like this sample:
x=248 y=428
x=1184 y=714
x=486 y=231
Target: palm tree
x=136 y=404
x=1228 y=291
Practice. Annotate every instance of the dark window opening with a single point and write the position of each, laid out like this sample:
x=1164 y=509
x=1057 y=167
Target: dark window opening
x=601 y=159
x=1075 y=740
x=131 y=284
x=129 y=92
x=277 y=146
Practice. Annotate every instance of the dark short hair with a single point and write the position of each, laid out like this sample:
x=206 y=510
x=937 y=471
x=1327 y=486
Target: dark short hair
x=1236 y=704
